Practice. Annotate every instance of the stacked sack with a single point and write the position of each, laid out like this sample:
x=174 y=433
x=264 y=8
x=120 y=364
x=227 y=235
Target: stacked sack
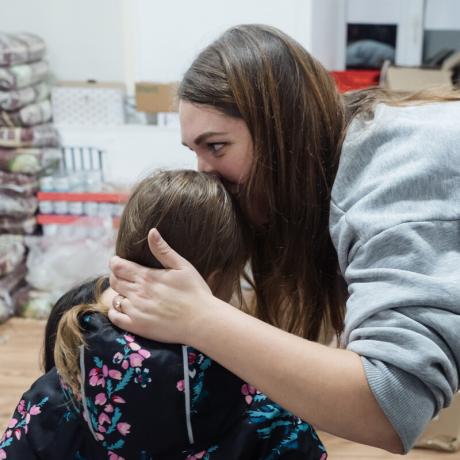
x=28 y=146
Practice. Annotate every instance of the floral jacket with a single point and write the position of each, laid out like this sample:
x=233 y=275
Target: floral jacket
x=142 y=400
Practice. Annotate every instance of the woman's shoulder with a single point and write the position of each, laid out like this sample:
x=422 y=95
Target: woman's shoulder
x=403 y=165
x=387 y=117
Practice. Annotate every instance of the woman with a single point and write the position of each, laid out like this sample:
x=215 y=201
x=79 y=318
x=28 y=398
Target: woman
x=355 y=220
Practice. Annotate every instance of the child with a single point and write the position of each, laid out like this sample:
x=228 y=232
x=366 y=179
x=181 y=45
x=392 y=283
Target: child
x=122 y=397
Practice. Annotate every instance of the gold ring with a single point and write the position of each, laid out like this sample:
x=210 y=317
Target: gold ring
x=117 y=305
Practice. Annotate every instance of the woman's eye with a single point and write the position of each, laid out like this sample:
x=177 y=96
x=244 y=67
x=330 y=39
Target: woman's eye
x=215 y=147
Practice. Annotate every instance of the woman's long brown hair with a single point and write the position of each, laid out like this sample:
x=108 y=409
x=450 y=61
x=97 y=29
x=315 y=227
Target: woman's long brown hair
x=196 y=216
x=297 y=121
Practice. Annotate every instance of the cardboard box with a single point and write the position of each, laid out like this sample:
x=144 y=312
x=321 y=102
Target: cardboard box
x=88 y=103
x=156 y=97
x=443 y=433
x=415 y=78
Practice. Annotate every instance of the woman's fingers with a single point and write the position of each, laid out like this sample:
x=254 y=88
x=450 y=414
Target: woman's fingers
x=125 y=269
x=120 y=285
x=121 y=320
x=163 y=252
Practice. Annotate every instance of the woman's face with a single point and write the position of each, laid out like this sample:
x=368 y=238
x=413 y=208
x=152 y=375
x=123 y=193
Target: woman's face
x=222 y=144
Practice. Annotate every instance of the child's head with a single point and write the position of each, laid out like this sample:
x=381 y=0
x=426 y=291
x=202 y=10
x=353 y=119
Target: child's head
x=194 y=214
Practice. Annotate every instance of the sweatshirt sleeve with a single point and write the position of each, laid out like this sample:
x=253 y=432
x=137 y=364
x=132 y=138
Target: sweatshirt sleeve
x=45 y=424
x=395 y=221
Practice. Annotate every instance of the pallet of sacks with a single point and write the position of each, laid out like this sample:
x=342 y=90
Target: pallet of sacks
x=29 y=146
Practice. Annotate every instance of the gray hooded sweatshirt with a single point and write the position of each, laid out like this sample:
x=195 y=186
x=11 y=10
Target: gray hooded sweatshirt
x=395 y=223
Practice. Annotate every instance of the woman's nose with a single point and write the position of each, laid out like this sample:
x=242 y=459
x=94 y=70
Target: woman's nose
x=204 y=166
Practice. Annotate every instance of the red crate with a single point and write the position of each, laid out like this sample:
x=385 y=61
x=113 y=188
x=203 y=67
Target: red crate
x=349 y=80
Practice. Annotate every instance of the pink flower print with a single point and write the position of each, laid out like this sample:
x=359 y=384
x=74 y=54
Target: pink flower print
x=118 y=399
x=35 y=410
x=129 y=338
x=180 y=385
x=114 y=456
x=118 y=357
x=21 y=407
x=323 y=457
x=196 y=456
x=114 y=374
x=191 y=358
x=123 y=428
x=144 y=353
x=108 y=408
x=103 y=418
x=135 y=360
x=2 y=454
x=99 y=436
x=12 y=423
x=125 y=364
x=96 y=377
x=100 y=399
x=248 y=391
x=17 y=433
x=134 y=346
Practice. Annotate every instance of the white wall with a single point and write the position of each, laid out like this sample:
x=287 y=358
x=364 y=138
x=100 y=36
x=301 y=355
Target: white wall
x=84 y=37
x=170 y=34
x=132 y=40
x=442 y=15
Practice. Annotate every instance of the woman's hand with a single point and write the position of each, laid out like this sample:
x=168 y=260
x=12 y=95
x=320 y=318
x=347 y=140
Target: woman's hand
x=158 y=304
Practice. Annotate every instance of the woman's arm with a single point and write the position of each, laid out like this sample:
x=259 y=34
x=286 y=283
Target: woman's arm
x=325 y=386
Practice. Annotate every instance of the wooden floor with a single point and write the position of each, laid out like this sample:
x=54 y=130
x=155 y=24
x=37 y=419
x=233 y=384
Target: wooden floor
x=20 y=346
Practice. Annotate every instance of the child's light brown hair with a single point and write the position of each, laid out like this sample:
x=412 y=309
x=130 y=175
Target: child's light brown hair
x=196 y=216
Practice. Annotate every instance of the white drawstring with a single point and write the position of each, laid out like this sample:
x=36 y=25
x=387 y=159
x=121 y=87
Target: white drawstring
x=187 y=394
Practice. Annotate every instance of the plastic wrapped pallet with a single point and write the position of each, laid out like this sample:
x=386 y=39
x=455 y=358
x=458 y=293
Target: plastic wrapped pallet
x=8 y=285
x=12 y=251
x=18 y=184
x=38 y=136
x=29 y=160
x=17 y=99
x=20 y=48
x=17 y=225
x=32 y=303
x=33 y=114
x=20 y=76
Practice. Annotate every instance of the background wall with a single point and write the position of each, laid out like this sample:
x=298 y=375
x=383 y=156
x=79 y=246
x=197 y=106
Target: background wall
x=133 y=40
x=84 y=37
x=171 y=33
